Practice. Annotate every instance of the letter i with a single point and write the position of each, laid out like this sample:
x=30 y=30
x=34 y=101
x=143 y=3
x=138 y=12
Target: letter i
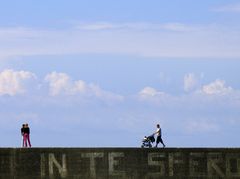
x=43 y=174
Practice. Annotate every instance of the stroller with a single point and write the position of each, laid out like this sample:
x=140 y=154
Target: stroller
x=147 y=141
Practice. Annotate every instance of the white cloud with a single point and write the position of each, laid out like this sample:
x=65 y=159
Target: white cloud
x=138 y=39
x=150 y=92
x=62 y=84
x=179 y=27
x=14 y=82
x=228 y=8
x=152 y=95
x=217 y=87
x=190 y=82
x=100 y=26
x=135 y=26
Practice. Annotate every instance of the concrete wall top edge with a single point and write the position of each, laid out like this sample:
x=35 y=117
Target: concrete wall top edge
x=122 y=149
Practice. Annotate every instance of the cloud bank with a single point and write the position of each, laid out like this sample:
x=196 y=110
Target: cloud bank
x=14 y=83
x=136 y=39
x=66 y=104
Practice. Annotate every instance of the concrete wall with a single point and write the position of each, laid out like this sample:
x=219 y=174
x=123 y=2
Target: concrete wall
x=109 y=163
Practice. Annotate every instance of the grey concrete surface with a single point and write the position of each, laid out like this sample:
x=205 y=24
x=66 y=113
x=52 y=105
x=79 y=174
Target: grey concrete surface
x=114 y=163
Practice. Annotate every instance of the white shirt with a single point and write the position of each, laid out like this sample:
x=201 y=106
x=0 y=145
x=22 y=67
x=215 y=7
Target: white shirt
x=158 y=132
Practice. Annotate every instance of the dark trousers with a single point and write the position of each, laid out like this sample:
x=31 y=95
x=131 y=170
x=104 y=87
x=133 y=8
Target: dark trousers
x=159 y=139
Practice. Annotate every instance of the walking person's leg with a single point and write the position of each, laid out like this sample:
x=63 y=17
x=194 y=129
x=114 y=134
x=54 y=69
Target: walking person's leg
x=28 y=140
x=157 y=141
x=25 y=140
x=162 y=141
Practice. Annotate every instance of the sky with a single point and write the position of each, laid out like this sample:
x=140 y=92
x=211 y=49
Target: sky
x=104 y=73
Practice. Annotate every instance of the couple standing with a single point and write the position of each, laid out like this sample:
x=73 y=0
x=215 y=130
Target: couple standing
x=25 y=131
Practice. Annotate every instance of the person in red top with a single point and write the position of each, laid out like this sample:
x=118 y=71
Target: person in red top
x=26 y=135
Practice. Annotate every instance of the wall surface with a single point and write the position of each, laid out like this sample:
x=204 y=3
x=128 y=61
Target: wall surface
x=109 y=163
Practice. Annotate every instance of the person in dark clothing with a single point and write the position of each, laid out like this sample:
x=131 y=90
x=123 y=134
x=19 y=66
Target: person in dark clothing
x=22 y=133
x=159 y=136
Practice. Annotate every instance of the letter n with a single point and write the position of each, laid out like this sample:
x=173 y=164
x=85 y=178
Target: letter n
x=61 y=169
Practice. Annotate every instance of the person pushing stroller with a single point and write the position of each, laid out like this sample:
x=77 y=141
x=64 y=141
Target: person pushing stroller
x=159 y=136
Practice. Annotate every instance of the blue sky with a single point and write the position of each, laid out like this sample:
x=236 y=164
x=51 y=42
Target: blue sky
x=104 y=73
